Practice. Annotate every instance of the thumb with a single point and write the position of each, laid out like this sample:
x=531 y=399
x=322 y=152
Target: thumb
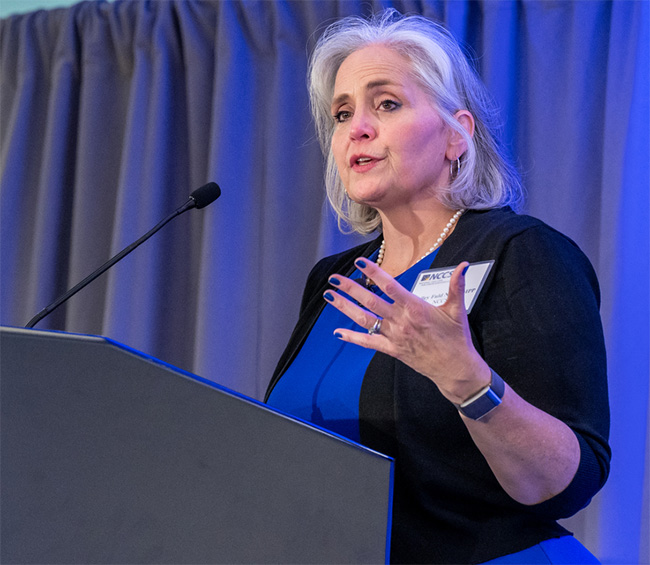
x=456 y=298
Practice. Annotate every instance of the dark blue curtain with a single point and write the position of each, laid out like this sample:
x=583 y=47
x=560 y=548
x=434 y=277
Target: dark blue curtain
x=111 y=113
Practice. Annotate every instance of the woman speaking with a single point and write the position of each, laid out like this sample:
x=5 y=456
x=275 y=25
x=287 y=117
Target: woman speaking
x=498 y=418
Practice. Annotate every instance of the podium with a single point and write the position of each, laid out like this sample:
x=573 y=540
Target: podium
x=110 y=456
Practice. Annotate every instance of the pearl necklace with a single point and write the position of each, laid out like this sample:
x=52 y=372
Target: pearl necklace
x=438 y=243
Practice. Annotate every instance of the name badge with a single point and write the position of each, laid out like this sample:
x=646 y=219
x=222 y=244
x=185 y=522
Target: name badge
x=433 y=285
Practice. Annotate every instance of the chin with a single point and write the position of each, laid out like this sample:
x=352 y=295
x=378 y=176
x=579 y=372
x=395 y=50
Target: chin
x=367 y=196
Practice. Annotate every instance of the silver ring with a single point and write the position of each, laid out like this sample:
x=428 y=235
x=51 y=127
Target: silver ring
x=376 y=327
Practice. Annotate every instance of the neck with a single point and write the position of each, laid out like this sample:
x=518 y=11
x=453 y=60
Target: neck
x=410 y=237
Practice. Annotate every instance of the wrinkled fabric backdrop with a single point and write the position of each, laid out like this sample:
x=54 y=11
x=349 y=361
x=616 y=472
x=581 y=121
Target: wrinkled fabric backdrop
x=112 y=113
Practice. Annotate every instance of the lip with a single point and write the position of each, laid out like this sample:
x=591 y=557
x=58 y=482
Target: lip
x=366 y=165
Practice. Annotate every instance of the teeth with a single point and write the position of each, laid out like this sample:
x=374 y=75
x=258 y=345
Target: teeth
x=363 y=160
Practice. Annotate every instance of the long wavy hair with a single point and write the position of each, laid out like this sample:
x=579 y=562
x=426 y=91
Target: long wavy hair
x=486 y=178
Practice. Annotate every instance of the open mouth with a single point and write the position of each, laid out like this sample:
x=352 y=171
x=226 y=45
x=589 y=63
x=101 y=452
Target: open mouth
x=363 y=160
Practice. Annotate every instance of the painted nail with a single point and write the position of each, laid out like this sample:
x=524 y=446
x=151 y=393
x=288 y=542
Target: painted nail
x=361 y=263
x=334 y=281
x=328 y=296
x=465 y=270
x=338 y=335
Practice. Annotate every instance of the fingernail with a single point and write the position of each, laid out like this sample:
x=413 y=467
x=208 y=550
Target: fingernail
x=361 y=263
x=328 y=296
x=338 y=335
x=465 y=270
x=335 y=281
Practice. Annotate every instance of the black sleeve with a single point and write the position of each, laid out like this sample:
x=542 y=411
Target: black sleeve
x=544 y=337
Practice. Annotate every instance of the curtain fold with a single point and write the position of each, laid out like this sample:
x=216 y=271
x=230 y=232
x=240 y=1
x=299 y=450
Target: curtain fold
x=112 y=113
x=624 y=267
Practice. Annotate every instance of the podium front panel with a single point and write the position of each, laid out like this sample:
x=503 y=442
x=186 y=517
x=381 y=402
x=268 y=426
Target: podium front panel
x=110 y=456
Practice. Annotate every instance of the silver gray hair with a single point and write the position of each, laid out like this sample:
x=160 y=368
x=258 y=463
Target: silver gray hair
x=486 y=179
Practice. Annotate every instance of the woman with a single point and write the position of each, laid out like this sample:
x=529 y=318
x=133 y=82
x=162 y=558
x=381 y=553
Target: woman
x=497 y=420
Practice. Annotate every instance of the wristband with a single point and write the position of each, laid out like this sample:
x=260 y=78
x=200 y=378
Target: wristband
x=485 y=400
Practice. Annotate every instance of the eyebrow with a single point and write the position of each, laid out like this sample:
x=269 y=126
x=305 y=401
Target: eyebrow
x=370 y=86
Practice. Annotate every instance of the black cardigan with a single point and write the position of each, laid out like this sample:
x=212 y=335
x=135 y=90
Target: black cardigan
x=536 y=323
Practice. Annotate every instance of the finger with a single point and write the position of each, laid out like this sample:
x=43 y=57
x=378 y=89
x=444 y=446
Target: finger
x=362 y=295
x=377 y=341
x=383 y=280
x=356 y=313
x=456 y=297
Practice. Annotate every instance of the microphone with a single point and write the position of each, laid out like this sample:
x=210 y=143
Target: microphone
x=200 y=198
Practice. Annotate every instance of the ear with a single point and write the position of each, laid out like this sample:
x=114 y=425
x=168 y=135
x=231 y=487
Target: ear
x=457 y=145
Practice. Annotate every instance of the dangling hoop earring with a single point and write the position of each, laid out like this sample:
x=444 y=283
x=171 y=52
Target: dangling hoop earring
x=453 y=174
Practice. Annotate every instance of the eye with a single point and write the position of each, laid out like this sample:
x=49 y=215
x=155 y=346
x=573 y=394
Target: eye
x=342 y=116
x=389 y=105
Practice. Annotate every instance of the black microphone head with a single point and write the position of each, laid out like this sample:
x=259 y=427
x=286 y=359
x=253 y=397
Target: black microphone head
x=206 y=194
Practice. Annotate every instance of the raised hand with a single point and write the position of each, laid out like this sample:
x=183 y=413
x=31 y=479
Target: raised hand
x=434 y=341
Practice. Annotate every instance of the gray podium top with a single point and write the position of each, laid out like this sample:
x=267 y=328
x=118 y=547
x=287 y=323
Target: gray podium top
x=111 y=456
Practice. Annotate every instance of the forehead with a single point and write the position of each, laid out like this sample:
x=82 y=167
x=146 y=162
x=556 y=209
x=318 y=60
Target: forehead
x=372 y=65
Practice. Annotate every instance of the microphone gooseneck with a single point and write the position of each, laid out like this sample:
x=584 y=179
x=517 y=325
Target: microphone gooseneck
x=200 y=198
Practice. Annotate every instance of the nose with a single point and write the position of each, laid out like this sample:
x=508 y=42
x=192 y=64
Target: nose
x=362 y=126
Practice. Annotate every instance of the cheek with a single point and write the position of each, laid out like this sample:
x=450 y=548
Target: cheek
x=426 y=144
